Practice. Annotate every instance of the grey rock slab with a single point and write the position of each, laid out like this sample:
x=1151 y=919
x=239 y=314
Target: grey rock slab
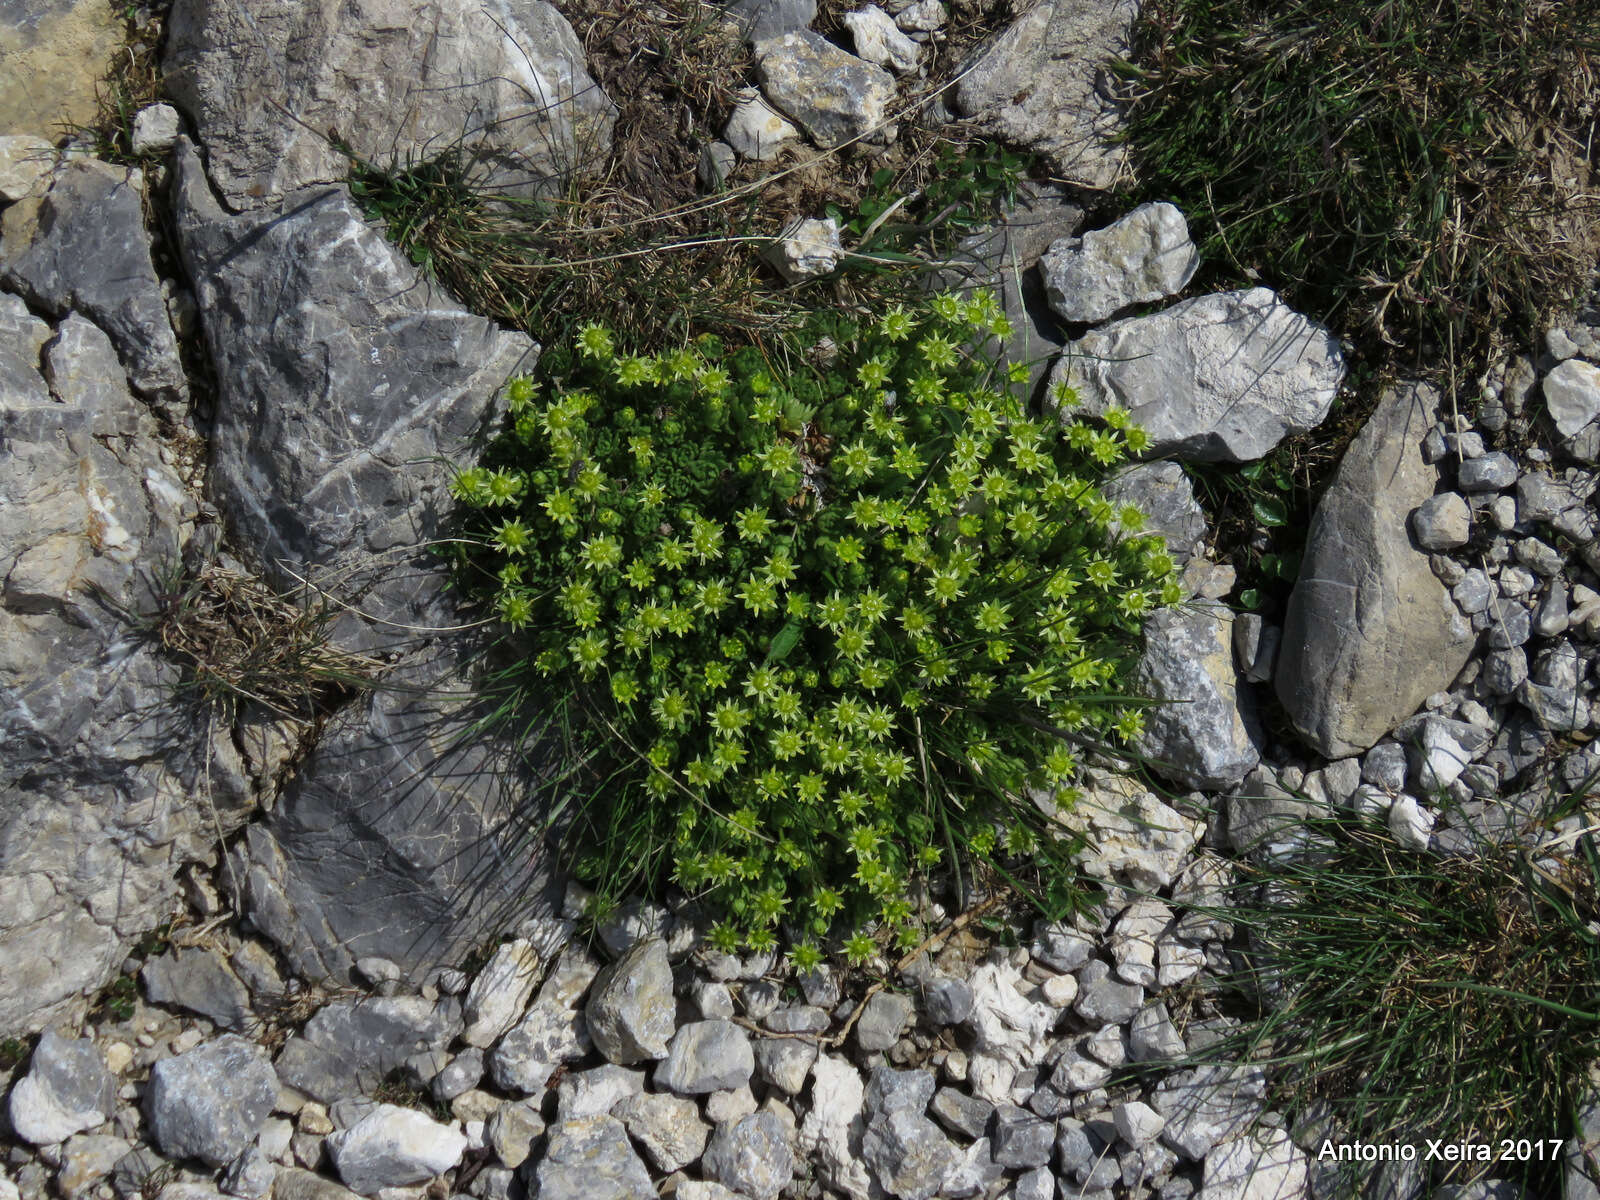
x=155 y=128
x=975 y=1173
x=758 y=20
x=801 y=1018
x=265 y=81
x=101 y=770
x=831 y=1134
x=591 y=1159
x=1206 y=733
x=1152 y=1037
x=752 y=1156
x=908 y=1154
x=65 y=1090
x=962 y=1114
x=946 y=1001
x=882 y=1021
x=1262 y=1165
x=197 y=979
x=1220 y=378
x=25 y=163
x=1133 y=837
x=595 y=1091
x=706 y=1056
x=210 y=1102
x=510 y=1131
x=1264 y=816
x=1163 y=493
x=348 y=1047
x=668 y=1128
x=393 y=1147
x=835 y=97
x=81 y=245
x=1207 y=1105
x=1144 y=256
x=631 y=1010
x=1035 y=85
x=1370 y=633
x=296 y=1183
x=339 y=371
x=86 y=1160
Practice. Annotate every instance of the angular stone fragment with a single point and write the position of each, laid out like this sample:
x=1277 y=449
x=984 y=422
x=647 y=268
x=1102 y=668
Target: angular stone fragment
x=1144 y=256
x=631 y=1010
x=393 y=1147
x=591 y=1159
x=669 y=1128
x=1220 y=378
x=1035 y=85
x=835 y=97
x=1572 y=395
x=908 y=1154
x=1206 y=734
x=499 y=994
x=1163 y=493
x=755 y=129
x=706 y=1056
x=209 y=1103
x=752 y=1156
x=1370 y=632
x=66 y=1089
x=879 y=41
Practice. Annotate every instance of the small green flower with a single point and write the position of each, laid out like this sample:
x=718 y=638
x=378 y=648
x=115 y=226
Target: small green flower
x=753 y=524
x=859 y=948
x=896 y=324
x=513 y=537
x=594 y=341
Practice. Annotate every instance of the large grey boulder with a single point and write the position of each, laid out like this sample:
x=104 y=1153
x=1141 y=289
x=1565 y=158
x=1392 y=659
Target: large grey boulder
x=267 y=81
x=1220 y=378
x=1370 y=632
x=67 y=1089
x=342 y=378
x=1144 y=256
x=209 y=1102
x=833 y=96
x=1036 y=85
x=101 y=771
x=81 y=245
x=1205 y=733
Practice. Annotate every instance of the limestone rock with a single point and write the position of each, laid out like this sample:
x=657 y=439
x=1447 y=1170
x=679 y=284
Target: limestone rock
x=96 y=793
x=805 y=249
x=591 y=1159
x=908 y=1154
x=547 y=1036
x=1256 y=1167
x=499 y=994
x=348 y=1048
x=1145 y=256
x=1132 y=835
x=1207 y=734
x=1163 y=493
x=1035 y=85
x=265 y=79
x=25 y=164
x=706 y=1056
x=1370 y=632
x=81 y=245
x=67 y=1089
x=752 y=1156
x=831 y=1134
x=209 y=1103
x=1572 y=395
x=755 y=129
x=54 y=55
x=668 y=1128
x=879 y=40
x=198 y=980
x=831 y=95
x=1220 y=378
x=393 y=1147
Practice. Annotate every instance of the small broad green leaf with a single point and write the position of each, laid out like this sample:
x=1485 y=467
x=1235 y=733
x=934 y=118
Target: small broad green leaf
x=1270 y=511
x=784 y=641
x=1250 y=598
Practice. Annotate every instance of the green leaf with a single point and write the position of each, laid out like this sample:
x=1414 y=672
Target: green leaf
x=1250 y=598
x=1270 y=511
x=784 y=641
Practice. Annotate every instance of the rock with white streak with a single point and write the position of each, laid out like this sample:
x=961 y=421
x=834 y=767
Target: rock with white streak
x=500 y=993
x=830 y=1136
x=393 y=1147
x=1220 y=378
x=1145 y=256
x=909 y=1155
x=548 y=1035
x=1132 y=835
x=67 y=1089
x=706 y=1056
x=805 y=249
x=210 y=1102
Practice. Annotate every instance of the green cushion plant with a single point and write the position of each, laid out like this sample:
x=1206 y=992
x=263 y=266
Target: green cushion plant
x=837 y=624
